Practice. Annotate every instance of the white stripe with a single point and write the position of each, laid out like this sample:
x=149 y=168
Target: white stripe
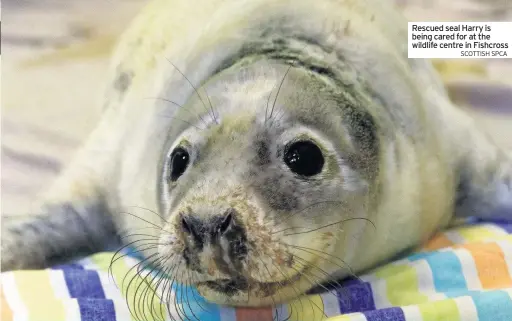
x=455 y=237
x=121 y=309
x=227 y=314
x=61 y=291
x=87 y=264
x=412 y=313
x=356 y=316
x=112 y=292
x=426 y=280
x=467 y=309
x=506 y=248
x=494 y=229
x=109 y=286
x=380 y=295
x=58 y=283
x=468 y=269
x=331 y=304
x=509 y=291
x=72 y=310
x=19 y=310
x=280 y=313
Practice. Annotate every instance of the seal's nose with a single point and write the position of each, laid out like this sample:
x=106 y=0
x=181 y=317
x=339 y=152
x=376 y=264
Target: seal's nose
x=213 y=227
x=220 y=237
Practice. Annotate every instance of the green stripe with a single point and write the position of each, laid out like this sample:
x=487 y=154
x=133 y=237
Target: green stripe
x=402 y=284
x=440 y=310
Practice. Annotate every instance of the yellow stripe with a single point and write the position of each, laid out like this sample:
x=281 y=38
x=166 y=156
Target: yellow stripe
x=309 y=308
x=476 y=233
x=402 y=284
x=440 y=310
x=36 y=292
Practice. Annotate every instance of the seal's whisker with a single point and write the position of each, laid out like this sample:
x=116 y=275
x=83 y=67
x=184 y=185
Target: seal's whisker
x=143 y=298
x=182 y=120
x=182 y=107
x=271 y=295
x=310 y=250
x=270 y=275
x=116 y=255
x=182 y=289
x=312 y=283
x=298 y=293
x=141 y=302
x=162 y=278
x=337 y=287
x=140 y=218
x=331 y=224
x=170 y=290
x=284 y=219
x=152 y=237
x=138 y=229
x=149 y=210
x=211 y=105
x=277 y=94
x=307 y=264
x=198 y=302
x=195 y=89
x=127 y=293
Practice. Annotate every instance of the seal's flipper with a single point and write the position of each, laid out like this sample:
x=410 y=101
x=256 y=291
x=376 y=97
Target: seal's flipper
x=62 y=232
x=485 y=181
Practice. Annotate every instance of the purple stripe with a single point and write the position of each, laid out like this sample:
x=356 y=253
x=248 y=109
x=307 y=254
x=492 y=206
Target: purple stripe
x=506 y=226
x=356 y=297
x=72 y=266
x=389 y=314
x=97 y=310
x=83 y=284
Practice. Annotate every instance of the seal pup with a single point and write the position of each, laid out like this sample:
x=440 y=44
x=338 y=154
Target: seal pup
x=310 y=150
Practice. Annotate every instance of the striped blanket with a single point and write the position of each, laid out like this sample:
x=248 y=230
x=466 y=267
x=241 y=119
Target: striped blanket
x=462 y=274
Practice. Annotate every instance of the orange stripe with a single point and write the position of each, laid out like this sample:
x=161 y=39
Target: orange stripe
x=248 y=314
x=6 y=314
x=490 y=264
x=438 y=242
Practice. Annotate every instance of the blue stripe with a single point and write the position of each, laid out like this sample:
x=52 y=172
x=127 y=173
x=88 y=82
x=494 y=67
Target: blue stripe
x=194 y=306
x=83 y=284
x=493 y=306
x=389 y=314
x=446 y=270
x=97 y=310
x=356 y=297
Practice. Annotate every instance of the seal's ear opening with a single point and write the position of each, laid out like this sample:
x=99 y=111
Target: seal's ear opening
x=363 y=130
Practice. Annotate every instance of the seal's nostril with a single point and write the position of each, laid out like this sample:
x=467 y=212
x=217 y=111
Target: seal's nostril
x=185 y=226
x=225 y=223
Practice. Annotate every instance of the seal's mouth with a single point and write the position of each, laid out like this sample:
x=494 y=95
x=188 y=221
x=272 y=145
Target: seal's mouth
x=232 y=286
x=228 y=286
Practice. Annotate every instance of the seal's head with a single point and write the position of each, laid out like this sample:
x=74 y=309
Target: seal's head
x=258 y=188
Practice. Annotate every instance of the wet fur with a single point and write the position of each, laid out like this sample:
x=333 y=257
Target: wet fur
x=402 y=159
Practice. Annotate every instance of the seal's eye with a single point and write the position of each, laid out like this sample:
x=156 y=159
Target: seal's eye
x=179 y=162
x=304 y=158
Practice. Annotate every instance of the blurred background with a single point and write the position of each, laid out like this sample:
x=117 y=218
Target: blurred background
x=56 y=52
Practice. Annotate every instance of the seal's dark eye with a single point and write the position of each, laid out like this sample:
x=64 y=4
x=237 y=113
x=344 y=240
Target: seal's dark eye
x=179 y=162
x=304 y=158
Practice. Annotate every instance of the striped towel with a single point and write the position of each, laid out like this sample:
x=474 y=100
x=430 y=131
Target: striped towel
x=462 y=274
